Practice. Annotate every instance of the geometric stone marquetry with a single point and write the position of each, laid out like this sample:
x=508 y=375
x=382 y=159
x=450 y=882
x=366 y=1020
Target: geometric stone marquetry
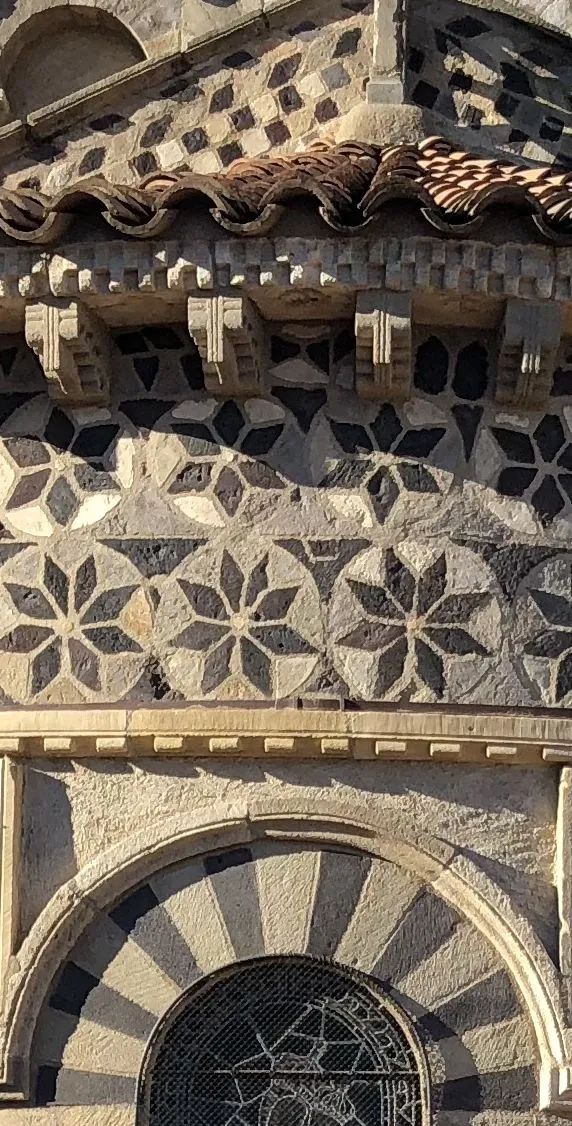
x=527 y=355
x=266 y=899
x=383 y=345
x=230 y=337
x=73 y=346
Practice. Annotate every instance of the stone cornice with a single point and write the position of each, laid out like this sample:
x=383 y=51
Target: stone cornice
x=430 y=735
x=436 y=281
x=127 y=271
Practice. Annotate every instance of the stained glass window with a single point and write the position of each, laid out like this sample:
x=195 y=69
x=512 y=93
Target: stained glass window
x=282 y=1042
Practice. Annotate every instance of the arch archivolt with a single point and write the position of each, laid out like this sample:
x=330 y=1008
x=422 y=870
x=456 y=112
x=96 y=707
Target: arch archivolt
x=122 y=940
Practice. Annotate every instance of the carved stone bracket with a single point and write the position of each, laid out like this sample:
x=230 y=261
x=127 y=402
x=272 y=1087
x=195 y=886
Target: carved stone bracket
x=231 y=339
x=383 y=345
x=74 y=348
x=527 y=356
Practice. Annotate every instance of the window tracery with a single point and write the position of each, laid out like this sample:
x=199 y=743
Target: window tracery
x=284 y=1042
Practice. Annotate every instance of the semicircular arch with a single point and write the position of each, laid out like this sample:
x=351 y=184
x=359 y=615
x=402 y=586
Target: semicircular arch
x=268 y=879
x=62 y=49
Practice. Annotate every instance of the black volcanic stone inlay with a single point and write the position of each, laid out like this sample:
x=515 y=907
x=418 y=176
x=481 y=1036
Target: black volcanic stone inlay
x=223 y=860
x=72 y=990
x=262 y=440
x=431 y=366
x=471 y=372
x=284 y=71
x=228 y=422
x=145 y=413
x=303 y=404
x=467 y=419
x=128 y=913
x=352 y=438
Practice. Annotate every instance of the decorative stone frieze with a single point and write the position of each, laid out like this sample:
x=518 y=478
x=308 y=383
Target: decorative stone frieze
x=73 y=347
x=383 y=345
x=131 y=272
x=230 y=337
x=527 y=356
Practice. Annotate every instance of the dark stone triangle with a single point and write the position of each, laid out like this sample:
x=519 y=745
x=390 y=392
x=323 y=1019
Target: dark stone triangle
x=467 y=419
x=153 y=684
x=145 y=413
x=155 y=557
x=325 y=559
x=146 y=368
x=326 y=682
x=10 y=403
x=9 y=550
x=303 y=404
x=510 y=564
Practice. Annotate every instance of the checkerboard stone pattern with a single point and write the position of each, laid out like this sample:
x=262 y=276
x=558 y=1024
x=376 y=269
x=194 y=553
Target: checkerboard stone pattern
x=507 y=82
x=307 y=544
x=271 y=899
x=276 y=92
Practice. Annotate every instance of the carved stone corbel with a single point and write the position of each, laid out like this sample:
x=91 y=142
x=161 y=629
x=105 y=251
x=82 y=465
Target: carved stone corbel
x=383 y=345
x=74 y=348
x=527 y=354
x=231 y=339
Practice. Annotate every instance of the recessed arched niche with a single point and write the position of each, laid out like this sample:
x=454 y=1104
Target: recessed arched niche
x=60 y=51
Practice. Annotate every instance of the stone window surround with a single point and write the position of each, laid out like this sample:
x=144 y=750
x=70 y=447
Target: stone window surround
x=453 y=876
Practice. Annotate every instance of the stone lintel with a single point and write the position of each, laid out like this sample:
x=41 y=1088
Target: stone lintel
x=527 y=355
x=74 y=349
x=229 y=334
x=383 y=345
x=483 y=738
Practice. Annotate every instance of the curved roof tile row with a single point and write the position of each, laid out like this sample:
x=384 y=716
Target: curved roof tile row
x=350 y=183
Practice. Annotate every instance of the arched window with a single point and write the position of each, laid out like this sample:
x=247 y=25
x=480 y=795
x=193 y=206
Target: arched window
x=283 y=1042
x=60 y=51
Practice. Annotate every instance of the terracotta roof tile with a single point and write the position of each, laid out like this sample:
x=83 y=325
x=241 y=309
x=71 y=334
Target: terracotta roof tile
x=350 y=183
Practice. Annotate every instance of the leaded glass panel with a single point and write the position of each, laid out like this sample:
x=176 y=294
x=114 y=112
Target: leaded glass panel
x=288 y=1042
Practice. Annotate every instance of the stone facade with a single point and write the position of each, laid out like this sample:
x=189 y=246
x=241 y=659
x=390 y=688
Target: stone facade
x=277 y=95
x=311 y=546
x=286 y=576
x=484 y=71
x=481 y=72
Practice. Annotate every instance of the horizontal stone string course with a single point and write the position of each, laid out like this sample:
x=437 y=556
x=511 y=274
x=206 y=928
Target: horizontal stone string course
x=286 y=733
x=185 y=266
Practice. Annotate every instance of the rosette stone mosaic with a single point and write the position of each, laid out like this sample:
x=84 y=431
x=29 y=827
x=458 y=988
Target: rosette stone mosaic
x=311 y=544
